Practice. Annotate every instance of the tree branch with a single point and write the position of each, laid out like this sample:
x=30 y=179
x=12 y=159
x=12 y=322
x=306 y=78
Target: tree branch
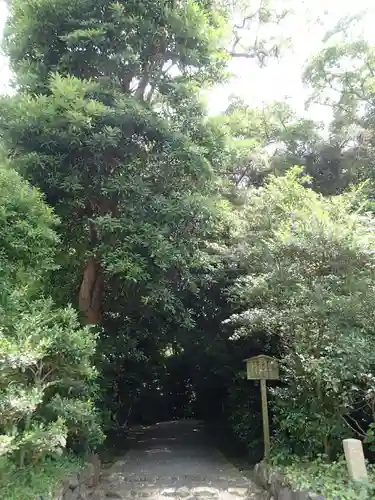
x=245 y=19
x=360 y=432
x=249 y=55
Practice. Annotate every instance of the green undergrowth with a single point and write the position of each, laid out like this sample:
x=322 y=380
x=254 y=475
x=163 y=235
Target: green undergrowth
x=329 y=479
x=37 y=482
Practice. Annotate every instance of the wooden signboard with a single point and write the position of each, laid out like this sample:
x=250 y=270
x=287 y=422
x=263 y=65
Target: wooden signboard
x=263 y=368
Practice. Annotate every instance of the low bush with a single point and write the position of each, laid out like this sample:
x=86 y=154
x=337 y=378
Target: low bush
x=39 y=481
x=47 y=379
x=329 y=479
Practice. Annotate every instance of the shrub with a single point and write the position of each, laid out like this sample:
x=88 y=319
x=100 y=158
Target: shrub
x=310 y=286
x=327 y=479
x=45 y=355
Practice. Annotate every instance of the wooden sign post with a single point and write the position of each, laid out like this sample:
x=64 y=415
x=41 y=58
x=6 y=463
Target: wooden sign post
x=263 y=368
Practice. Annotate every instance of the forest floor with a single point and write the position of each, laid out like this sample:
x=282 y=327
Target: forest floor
x=175 y=460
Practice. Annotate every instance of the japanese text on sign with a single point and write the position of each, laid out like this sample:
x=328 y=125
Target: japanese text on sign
x=262 y=368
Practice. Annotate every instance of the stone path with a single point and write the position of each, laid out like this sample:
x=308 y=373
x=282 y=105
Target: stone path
x=171 y=461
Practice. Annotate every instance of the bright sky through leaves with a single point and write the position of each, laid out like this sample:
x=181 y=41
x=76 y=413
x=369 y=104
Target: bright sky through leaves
x=280 y=79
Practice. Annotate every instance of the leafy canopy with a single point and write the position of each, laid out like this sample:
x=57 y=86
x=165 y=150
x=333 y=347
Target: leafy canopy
x=309 y=283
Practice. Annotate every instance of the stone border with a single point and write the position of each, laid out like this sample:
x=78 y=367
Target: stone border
x=277 y=487
x=79 y=486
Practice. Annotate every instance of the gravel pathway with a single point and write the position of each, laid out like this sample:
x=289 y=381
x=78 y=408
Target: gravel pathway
x=175 y=460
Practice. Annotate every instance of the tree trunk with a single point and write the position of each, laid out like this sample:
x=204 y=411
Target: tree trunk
x=326 y=448
x=91 y=292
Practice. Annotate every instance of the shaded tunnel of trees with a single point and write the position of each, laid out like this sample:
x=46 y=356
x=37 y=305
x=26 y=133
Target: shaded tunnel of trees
x=148 y=247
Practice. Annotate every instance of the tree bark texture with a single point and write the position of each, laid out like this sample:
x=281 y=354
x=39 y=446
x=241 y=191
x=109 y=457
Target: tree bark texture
x=91 y=292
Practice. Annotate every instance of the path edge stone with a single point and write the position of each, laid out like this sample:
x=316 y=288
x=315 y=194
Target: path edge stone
x=276 y=485
x=78 y=485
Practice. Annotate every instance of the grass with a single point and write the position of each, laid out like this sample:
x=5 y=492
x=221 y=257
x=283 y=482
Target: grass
x=329 y=479
x=35 y=482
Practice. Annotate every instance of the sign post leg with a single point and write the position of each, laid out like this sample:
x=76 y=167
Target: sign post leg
x=266 y=428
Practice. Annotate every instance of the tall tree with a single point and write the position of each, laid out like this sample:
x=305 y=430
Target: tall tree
x=259 y=141
x=342 y=77
x=108 y=124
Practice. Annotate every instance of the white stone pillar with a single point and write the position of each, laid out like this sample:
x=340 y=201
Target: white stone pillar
x=355 y=459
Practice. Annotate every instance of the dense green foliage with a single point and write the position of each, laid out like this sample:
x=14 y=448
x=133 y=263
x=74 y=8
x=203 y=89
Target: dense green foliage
x=309 y=282
x=183 y=242
x=40 y=481
x=327 y=479
x=125 y=138
x=45 y=364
